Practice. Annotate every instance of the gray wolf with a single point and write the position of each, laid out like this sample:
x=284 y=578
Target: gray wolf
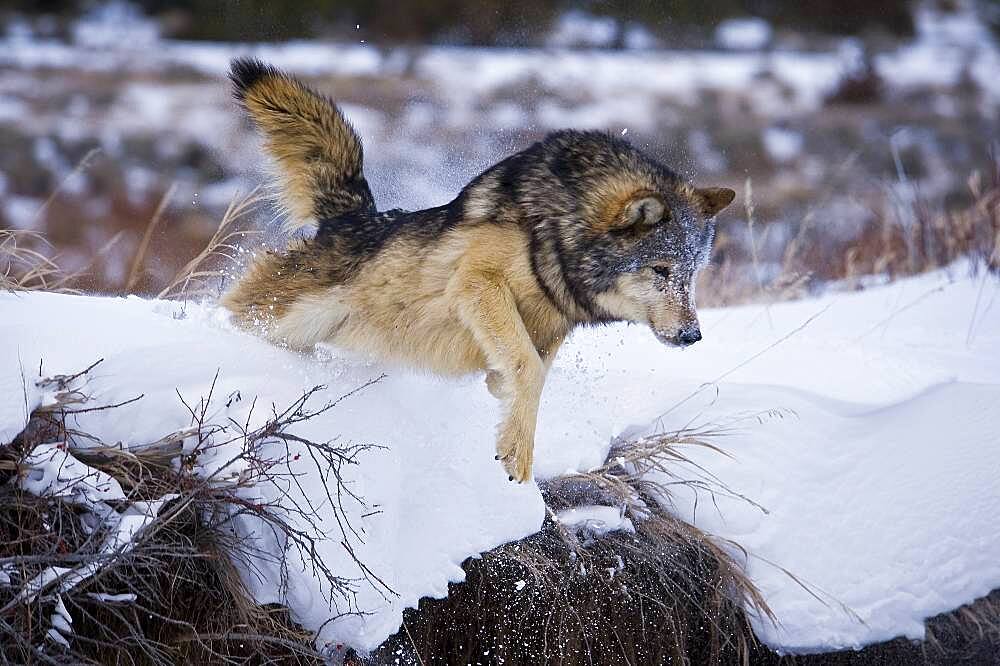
x=580 y=228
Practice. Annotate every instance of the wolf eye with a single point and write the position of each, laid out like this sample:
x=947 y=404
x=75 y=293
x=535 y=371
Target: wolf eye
x=662 y=271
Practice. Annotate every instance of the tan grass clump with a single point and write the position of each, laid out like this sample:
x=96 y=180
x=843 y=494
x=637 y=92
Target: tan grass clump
x=666 y=593
x=172 y=594
x=23 y=268
x=207 y=269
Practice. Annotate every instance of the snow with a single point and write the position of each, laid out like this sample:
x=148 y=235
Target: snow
x=53 y=634
x=126 y=597
x=111 y=23
x=639 y=38
x=462 y=77
x=897 y=500
x=21 y=212
x=958 y=27
x=749 y=33
x=433 y=499
x=595 y=520
x=124 y=529
x=578 y=28
x=11 y=108
x=782 y=144
x=860 y=424
x=62 y=623
x=869 y=437
x=51 y=470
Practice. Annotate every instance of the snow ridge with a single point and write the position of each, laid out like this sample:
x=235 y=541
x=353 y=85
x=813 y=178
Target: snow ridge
x=867 y=435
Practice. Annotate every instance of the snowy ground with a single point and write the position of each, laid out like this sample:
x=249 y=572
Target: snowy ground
x=863 y=423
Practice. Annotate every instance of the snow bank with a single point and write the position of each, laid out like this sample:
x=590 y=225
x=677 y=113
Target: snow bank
x=863 y=423
x=869 y=436
x=434 y=498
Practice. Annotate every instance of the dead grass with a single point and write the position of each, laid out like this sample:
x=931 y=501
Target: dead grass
x=28 y=261
x=910 y=237
x=172 y=594
x=25 y=268
x=202 y=275
x=140 y=254
x=665 y=593
x=657 y=596
x=905 y=235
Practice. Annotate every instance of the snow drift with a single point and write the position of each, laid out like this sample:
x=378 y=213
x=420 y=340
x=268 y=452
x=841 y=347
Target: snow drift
x=861 y=425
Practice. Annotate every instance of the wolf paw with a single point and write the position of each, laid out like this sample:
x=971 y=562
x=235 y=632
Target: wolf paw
x=516 y=467
x=515 y=454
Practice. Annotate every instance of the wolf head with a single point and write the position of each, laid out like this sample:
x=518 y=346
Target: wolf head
x=655 y=242
x=617 y=236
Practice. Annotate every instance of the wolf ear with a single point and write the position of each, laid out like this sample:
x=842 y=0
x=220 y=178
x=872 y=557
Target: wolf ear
x=646 y=211
x=714 y=199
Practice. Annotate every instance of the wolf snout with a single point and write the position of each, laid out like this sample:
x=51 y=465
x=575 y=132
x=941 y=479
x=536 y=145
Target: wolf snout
x=682 y=338
x=688 y=337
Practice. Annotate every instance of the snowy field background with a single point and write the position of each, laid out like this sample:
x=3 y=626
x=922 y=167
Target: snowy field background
x=839 y=136
x=860 y=425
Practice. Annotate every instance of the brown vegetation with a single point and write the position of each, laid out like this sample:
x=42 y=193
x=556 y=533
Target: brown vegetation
x=900 y=238
x=172 y=593
x=665 y=593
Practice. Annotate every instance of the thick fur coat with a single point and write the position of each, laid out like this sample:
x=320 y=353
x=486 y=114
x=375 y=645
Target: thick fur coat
x=580 y=228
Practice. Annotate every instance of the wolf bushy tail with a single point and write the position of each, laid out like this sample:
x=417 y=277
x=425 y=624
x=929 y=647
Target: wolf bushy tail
x=318 y=154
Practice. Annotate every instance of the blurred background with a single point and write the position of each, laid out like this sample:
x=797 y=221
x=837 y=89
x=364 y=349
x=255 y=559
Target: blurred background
x=861 y=136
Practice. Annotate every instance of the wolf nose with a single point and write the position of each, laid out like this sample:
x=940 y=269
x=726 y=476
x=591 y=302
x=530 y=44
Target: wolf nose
x=689 y=337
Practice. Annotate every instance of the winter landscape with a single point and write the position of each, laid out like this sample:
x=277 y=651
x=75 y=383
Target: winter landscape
x=814 y=482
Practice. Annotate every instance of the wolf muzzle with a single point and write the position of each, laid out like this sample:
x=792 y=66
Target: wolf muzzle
x=683 y=338
x=688 y=337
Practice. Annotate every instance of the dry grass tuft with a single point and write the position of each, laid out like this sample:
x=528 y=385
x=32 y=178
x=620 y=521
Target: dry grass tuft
x=135 y=272
x=24 y=268
x=28 y=260
x=908 y=237
x=170 y=593
x=665 y=593
x=197 y=277
x=904 y=235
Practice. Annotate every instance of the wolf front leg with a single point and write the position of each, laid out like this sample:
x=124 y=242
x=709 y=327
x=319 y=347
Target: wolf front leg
x=487 y=308
x=494 y=380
